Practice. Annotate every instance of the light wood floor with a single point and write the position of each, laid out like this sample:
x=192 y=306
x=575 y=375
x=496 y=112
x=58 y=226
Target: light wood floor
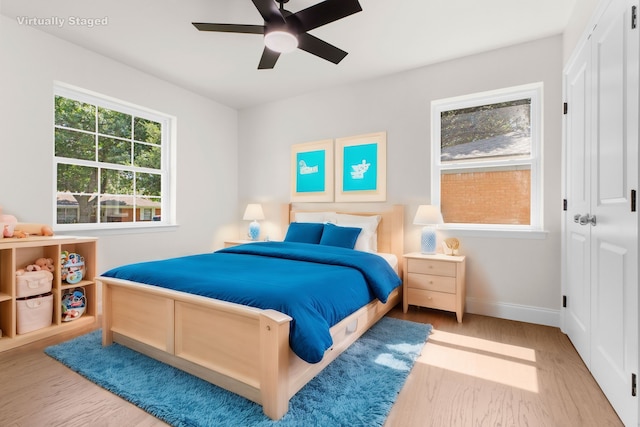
x=483 y=372
x=493 y=372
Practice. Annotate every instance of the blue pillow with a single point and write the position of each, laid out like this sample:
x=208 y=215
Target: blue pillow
x=304 y=232
x=344 y=237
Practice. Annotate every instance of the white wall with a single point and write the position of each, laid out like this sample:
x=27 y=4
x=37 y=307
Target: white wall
x=507 y=277
x=30 y=62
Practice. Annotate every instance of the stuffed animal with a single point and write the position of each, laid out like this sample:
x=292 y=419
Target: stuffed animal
x=7 y=224
x=27 y=269
x=32 y=229
x=10 y=227
x=45 y=264
x=41 y=264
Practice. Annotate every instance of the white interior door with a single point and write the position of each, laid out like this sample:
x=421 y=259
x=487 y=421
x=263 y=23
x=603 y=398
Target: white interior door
x=601 y=171
x=614 y=236
x=577 y=238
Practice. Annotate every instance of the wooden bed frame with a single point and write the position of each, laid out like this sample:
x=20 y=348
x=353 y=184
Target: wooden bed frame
x=239 y=348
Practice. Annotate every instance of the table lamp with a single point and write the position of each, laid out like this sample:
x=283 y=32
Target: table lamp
x=429 y=216
x=253 y=213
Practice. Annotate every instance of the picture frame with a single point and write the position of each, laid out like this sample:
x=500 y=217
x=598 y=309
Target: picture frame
x=312 y=171
x=361 y=168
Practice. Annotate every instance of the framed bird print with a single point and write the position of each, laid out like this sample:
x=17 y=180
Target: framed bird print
x=361 y=168
x=312 y=171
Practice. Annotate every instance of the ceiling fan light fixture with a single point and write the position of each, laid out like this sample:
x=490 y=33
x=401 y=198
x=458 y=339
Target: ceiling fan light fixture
x=281 y=41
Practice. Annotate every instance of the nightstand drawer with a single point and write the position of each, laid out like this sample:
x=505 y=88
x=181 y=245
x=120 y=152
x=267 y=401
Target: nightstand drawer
x=432 y=283
x=432 y=299
x=426 y=266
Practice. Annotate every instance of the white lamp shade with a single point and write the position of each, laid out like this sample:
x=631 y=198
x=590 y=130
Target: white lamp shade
x=253 y=212
x=428 y=215
x=281 y=41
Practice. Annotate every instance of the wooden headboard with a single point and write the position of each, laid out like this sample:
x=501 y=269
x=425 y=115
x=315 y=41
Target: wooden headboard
x=390 y=228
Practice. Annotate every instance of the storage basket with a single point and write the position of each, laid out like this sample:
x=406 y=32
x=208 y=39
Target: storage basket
x=33 y=283
x=34 y=313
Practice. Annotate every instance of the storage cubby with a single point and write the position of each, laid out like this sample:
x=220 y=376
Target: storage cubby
x=18 y=253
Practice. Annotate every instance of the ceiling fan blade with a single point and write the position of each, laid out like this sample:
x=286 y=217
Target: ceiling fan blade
x=269 y=11
x=268 y=60
x=230 y=28
x=320 y=48
x=325 y=12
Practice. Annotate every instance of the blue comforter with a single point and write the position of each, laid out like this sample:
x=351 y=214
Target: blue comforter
x=316 y=285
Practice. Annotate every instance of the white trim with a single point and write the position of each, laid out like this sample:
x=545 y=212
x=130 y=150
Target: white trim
x=518 y=312
x=472 y=230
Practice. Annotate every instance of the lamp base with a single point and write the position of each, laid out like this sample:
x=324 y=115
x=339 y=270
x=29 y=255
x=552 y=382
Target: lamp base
x=254 y=230
x=428 y=240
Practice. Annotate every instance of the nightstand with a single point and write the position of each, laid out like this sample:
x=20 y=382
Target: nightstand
x=434 y=281
x=229 y=243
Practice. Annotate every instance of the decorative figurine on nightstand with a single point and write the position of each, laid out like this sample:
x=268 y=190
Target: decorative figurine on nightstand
x=450 y=246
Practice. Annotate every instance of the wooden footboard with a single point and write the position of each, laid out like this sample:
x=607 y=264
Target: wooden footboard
x=241 y=349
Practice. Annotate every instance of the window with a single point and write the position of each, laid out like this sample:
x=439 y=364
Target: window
x=486 y=159
x=111 y=163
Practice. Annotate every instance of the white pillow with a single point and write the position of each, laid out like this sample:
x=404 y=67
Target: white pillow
x=322 y=217
x=368 y=238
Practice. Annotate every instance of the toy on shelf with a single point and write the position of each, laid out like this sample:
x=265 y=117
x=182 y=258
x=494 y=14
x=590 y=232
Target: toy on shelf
x=10 y=227
x=41 y=264
x=72 y=267
x=74 y=303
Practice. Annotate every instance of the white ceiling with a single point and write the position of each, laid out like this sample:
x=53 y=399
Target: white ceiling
x=156 y=36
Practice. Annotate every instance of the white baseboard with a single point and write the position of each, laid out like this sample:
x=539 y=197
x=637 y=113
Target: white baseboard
x=521 y=313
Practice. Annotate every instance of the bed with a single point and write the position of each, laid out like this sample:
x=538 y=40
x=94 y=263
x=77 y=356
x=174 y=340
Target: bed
x=251 y=355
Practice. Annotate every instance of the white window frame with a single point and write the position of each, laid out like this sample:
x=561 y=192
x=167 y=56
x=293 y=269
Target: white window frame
x=168 y=206
x=533 y=91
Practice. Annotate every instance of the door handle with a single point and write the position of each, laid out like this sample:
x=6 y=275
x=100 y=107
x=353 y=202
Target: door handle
x=585 y=219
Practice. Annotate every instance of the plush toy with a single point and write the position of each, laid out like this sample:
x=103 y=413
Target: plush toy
x=45 y=264
x=41 y=264
x=27 y=269
x=7 y=224
x=10 y=227
x=32 y=229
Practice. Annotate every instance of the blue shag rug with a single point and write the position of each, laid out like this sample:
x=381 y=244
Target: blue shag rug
x=357 y=389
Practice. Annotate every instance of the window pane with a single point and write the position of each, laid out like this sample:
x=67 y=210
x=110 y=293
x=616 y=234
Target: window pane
x=147 y=131
x=148 y=208
x=76 y=208
x=116 y=209
x=487 y=197
x=147 y=156
x=75 y=145
x=116 y=182
x=148 y=184
x=115 y=151
x=114 y=123
x=77 y=179
x=486 y=132
x=75 y=114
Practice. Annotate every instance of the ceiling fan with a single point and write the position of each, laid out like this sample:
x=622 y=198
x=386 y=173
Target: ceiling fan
x=285 y=31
